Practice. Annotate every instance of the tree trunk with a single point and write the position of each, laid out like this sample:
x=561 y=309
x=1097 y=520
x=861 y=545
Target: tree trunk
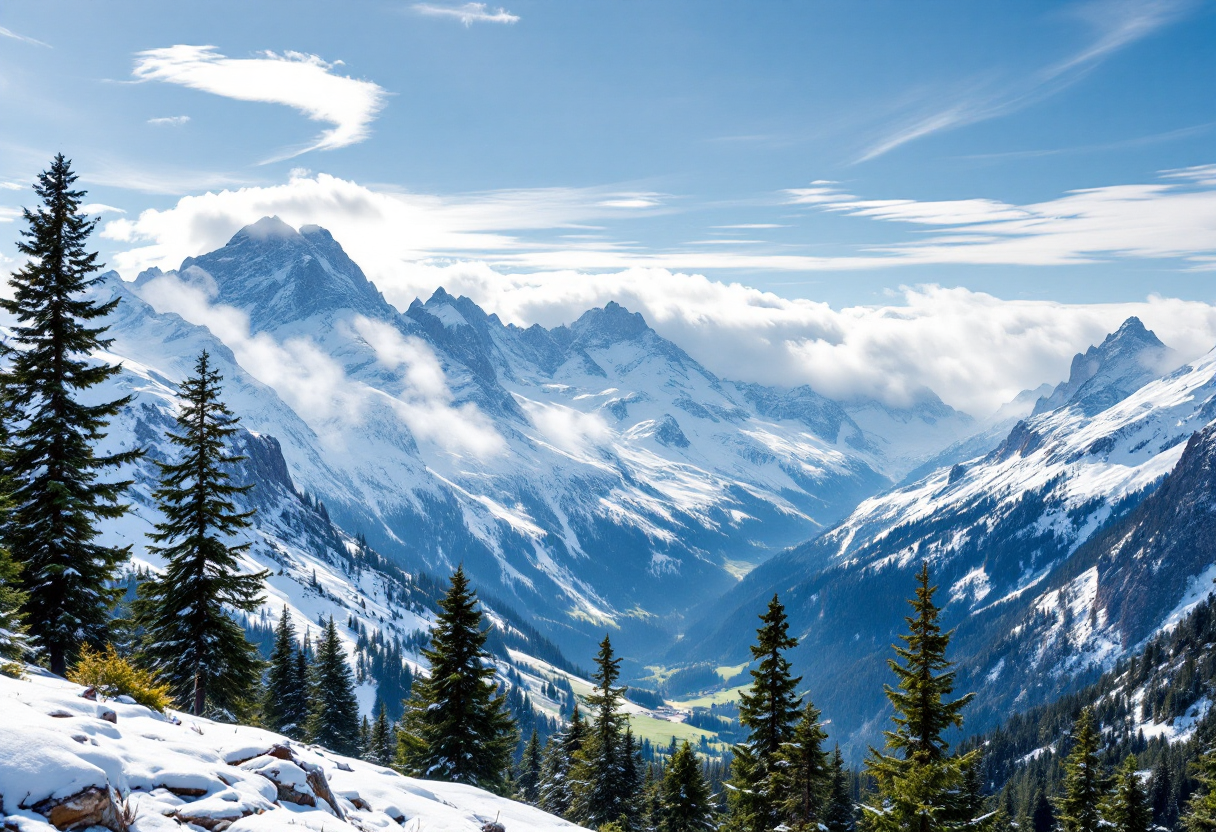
x=200 y=694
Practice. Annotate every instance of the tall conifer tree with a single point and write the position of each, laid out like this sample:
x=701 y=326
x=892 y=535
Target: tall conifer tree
x=839 y=813
x=285 y=705
x=456 y=726
x=190 y=639
x=769 y=711
x=382 y=747
x=602 y=791
x=556 y=792
x=802 y=779
x=920 y=784
x=334 y=721
x=1128 y=809
x=527 y=777
x=1085 y=783
x=684 y=794
x=1200 y=813
x=59 y=492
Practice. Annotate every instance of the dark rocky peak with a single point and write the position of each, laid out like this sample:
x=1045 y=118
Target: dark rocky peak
x=1104 y=375
x=278 y=275
x=801 y=404
x=610 y=325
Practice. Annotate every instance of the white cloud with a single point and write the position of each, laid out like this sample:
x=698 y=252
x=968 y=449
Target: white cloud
x=9 y=33
x=424 y=401
x=301 y=81
x=467 y=13
x=975 y=350
x=95 y=208
x=316 y=387
x=1173 y=218
x=1116 y=23
x=169 y=121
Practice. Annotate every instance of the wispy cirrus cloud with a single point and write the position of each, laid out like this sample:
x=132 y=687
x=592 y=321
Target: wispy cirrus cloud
x=169 y=121
x=1171 y=218
x=9 y=33
x=301 y=81
x=467 y=13
x=1117 y=24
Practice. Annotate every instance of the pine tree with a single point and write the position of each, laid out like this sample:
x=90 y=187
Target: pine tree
x=1085 y=785
x=1200 y=814
x=190 y=640
x=651 y=816
x=602 y=791
x=527 y=778
x=556 y=792
x=838 y=815
x=802 y=778
x=58 y=495
x=920 y=785
x=769 y=711
x=684 y=794
x=456 y=727
x=1128 y=809
x=285 y=704
x=302 y=681
x=334 y=721
x=382 y=744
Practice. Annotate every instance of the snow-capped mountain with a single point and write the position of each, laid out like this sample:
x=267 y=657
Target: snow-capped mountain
x=593 y=474
x=1002 y=534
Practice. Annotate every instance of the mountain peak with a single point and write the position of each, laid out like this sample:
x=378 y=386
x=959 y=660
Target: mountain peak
x=279 y=274
x=267 y=228
x=1103 y=375
x=610 y=325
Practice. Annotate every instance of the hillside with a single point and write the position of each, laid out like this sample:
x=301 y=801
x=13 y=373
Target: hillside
x=1006 y=536
x=74 y=762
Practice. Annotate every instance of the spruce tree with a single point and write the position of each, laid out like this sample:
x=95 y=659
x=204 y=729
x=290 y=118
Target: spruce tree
x=556 y=792
x=285 y=704
x=334 y=721
x=527 y=778
x=602 y=791
x=651 y=816
x=802 y=779
x=1128 y=809
x=920 y=785
x=838 y=815
x=1200 y=813
x=1085 y=784
x=190 y=639
x=302 y=682
x=382 y=745
x=58 y=488
x=769 y=711
x=456 y=727
x=684 y=795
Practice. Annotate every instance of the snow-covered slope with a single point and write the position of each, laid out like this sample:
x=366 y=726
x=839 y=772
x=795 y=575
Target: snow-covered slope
x=592 y=474
x=87 y=763
x=1001 y=534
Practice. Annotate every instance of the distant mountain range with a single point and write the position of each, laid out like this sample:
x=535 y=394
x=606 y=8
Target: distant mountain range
x=1057 y=552
x=595 y=478
x=593 y=474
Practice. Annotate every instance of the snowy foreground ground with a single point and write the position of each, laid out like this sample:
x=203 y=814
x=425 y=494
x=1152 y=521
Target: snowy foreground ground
x=77 y=762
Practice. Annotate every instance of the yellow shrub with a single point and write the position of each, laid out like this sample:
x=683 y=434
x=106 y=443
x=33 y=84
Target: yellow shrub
x=112 y=676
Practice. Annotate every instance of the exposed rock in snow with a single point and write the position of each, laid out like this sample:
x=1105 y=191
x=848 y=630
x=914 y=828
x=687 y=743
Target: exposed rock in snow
x=152 y=772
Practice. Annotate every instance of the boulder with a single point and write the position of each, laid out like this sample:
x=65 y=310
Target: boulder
x=94 y=806
x=297 y=781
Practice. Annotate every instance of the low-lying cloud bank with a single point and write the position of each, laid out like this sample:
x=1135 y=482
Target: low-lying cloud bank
x=974 y=350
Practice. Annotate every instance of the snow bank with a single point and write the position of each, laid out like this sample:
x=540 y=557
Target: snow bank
x=176 y=772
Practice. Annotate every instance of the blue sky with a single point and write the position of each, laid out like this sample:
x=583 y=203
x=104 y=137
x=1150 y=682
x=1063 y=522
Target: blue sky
x=827 y=152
